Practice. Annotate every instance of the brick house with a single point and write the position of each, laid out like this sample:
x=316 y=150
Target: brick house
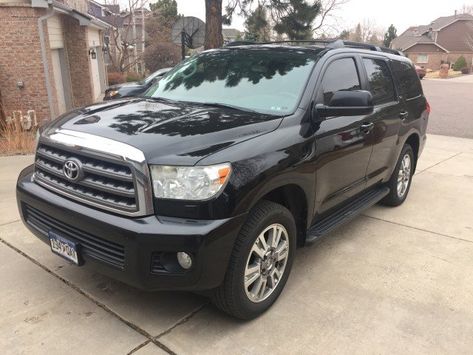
x=443 y=40
x=52 y=57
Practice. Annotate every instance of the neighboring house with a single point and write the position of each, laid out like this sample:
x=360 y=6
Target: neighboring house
x=52 y=57
x=231 y=34
x=444 y=40
x=123 y=30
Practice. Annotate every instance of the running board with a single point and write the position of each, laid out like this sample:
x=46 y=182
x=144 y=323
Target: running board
x=345 y=213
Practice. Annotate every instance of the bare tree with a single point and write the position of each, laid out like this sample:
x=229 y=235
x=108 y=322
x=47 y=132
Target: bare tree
x=124 y=39
x=327 y=22
x=467 y=9
x=367 y=32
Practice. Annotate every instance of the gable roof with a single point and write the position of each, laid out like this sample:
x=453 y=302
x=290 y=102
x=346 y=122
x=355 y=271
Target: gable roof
x=230 y=32
x=420 y=34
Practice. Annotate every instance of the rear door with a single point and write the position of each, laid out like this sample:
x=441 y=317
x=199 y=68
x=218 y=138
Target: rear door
x=342 y=148
x=386 y=118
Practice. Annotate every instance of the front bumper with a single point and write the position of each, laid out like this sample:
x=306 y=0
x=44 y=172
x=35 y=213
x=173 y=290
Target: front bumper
x=136 y=251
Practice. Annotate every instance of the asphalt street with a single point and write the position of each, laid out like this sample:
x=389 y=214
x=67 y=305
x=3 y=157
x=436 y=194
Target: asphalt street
x=451 y=102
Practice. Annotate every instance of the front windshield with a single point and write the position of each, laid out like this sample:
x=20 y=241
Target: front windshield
x=266 y=80
x=151 y=77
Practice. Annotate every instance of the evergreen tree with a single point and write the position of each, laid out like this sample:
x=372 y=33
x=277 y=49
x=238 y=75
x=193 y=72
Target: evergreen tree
x=344 y=35
x=166 y=8
x=293 y=18
x=257 y=26
x=358 y=35
x=390 y=34
x=460 y=63
x=297 y=23
x=213 y=24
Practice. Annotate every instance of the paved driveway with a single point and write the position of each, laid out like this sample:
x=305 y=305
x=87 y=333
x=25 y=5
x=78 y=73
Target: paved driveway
x=394 y=280
x=452 y=106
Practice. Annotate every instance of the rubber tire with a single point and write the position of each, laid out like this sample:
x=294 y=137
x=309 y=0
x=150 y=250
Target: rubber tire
x=230 y=297
x=392 y=199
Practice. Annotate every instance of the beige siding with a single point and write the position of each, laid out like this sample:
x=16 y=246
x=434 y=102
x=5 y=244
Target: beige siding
x=55 y=31
x=93 y=37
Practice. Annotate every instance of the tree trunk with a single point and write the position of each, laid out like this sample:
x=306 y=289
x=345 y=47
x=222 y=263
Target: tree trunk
x=213 y=24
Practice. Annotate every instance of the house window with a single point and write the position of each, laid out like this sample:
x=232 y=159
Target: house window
x=422 y=58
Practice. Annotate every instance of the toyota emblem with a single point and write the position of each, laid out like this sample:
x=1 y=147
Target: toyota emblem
x=72 y=169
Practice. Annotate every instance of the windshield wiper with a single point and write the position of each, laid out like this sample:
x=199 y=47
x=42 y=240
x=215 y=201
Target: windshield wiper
x=160 y=99
x=233 y=107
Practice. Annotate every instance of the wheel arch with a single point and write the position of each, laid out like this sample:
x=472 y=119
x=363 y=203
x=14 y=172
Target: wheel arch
x=294 y=198
x=414 y=141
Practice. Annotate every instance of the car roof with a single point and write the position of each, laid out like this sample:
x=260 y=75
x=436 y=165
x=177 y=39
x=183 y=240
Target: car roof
x=317 y=46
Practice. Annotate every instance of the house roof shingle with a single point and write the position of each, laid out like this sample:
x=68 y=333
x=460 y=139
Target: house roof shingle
x=419 y=34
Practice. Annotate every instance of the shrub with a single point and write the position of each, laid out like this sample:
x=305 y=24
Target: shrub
x=133 y=76
x=162 y=55
x=115 y=78
x=15 y=140
x=460 y=63
x=465 y=71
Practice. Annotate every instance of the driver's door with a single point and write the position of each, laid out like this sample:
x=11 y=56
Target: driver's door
x=342 y=148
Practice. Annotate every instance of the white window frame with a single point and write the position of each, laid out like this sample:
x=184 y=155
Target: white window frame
x=422 y=58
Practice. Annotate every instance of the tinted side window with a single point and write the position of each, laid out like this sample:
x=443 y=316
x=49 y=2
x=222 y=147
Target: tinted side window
x=409 y=83
x=341 y=74
x=380 y=80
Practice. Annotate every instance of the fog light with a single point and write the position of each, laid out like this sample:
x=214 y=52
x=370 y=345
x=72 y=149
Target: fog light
x=184 y=259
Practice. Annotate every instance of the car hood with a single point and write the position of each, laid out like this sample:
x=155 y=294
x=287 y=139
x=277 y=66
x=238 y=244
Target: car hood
x=167 y=132
x=129 y=85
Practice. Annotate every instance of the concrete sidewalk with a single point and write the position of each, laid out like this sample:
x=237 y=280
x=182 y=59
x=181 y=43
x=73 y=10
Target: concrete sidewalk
x=394 y=280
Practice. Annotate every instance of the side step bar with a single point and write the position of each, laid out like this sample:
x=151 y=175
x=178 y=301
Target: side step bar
x=345 y=213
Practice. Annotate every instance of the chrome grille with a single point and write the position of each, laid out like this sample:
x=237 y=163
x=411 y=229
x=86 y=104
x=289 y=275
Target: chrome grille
x=105 y=183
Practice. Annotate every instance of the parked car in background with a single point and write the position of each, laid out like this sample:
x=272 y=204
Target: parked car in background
x=420 y=72
x=134 y=88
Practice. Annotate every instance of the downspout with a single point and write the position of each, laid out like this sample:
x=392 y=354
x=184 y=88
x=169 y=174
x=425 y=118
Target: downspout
x=44 y=56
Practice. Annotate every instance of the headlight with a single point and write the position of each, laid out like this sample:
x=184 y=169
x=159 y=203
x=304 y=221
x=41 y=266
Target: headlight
x=112 y=93
x=189 y=183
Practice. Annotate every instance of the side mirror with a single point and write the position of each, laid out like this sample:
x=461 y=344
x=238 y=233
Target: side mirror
x=346 y=103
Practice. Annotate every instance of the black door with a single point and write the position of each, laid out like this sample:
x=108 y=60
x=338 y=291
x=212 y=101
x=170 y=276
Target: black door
x=386 y=118
x=342 y=149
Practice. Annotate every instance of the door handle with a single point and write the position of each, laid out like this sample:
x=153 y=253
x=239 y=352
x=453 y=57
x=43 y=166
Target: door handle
x=366 y=127
x=403 y=115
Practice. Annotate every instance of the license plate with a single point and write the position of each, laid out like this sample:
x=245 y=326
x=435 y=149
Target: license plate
x=64 y=247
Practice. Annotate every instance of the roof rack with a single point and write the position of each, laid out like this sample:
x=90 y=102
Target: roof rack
x=338 y=43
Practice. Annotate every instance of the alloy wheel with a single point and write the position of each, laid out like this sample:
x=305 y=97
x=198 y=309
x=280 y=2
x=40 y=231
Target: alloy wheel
x=266 y=262
x=404 y=176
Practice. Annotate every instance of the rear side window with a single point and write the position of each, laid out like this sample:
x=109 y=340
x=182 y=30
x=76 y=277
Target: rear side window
x=340 y=75
x=380 y=80
x=409 y=82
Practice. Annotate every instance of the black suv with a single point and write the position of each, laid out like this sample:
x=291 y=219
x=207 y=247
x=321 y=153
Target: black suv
x=238 y=156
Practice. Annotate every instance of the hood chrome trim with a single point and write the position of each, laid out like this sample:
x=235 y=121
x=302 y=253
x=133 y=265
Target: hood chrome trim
x=106 y=149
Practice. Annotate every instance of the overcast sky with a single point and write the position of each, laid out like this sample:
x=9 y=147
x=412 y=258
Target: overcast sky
x=402 y=13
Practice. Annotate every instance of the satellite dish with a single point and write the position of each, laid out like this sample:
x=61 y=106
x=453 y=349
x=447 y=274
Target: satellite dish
x=188 y=32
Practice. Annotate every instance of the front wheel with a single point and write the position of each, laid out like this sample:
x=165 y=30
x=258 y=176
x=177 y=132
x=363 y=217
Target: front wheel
x=260 y=263
x=401 y=179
